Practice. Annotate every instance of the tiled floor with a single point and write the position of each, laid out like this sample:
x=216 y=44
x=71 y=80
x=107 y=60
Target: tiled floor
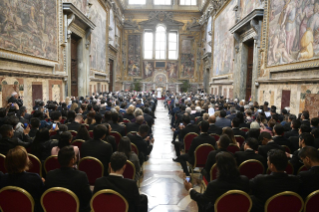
x=163 y=179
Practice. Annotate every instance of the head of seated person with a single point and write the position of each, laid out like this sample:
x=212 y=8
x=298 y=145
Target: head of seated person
x=278 y=130
x=277 y=160
x=227 y=167
x=309 y=156
x=264 y=138
x=78 y=119
x=139 y=120
x=143 y=130
x=235 y=122
x=204 y=126
x=56 y=116
x=35 y=123
x=6 y=131
x=223 y=142
x=186 y=120
x=66 y=157
x=306 y=139
x=83 y=133
x=253 y=133
x=117 y=163
x=17 y=160
x=71 y=116
x=251 y=143
x=99 y=132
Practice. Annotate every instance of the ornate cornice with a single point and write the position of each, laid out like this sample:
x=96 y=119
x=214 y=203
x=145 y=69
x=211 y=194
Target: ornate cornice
x=161 y=17
x=245 y=22
x=69 y=8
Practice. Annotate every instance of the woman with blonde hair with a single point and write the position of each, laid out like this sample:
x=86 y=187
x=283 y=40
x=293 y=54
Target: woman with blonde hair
x=74 y=106
x=228 y=131
x=129 y=113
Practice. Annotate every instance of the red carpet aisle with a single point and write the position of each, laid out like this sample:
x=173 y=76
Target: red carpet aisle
x=163 y=183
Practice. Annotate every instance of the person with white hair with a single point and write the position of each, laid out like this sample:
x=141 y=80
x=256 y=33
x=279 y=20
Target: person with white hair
x=15 y=99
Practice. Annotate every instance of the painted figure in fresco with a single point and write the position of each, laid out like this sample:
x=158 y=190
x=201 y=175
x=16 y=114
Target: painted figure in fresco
x=305 y=12
x=172 y=68
x=148 y=69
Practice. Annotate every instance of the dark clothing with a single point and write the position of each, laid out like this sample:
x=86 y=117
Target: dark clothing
x=118 y=128
x=316 y=143
x=98 y=149
x=214 y=129
x=30 y=182
x=143 y=148
x=132 y=127
x=306 y=122
x=295 y=161
x=127 y=188
x=231 y=116
x=190 y=128
x=263 y=150
x=91 y=127
x=9 y=143
x=74 y=126
x=223 y=122
x=309 y=181
x=43 y=150
x=129 y=116
x=280 y=140
x=237 y=131
x=215 y=189
x=294 y=143
x=74 y=180
x=111 y=140
x=14 y=100
x=211 y=160
x=33 y=132
x=293 y=132
x=248 y=154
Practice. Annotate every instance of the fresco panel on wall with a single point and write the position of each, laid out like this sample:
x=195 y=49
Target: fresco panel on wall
x=134 y=55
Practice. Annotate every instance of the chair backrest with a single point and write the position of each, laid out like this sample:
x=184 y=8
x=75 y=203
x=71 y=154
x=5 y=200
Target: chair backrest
x=289 y=169
x=251 y=168
x=11 y=195
x=53 y=133
x=302 y=168
x=134 y=148
x=93 y=168
x=287 y=149
x=244 y=129
x=60 y=199
x=233 y=200
x=286 y=201
x=201 y=154
x=78 y=143
x=132 y=133
x=233 y=148
x=2 y=167
x=74 y=133
x=216 y=136
x=36 y=166
x=126 y=121
x=240 y=139
x=91 y=133
x=188 y=138
x=51 y=163
x=129 y=171
x=213 y=172
x=109 y=199
x=312 y=202
x=117 y=137
x=87 y=126
x=197 y=117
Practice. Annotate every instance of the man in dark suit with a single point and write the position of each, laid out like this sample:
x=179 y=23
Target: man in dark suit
x=116 y=126
x=126 y=187
x=305 y=118
x=278 y=137
x=264 y=186
x=315 y=134
x=34 y=127
x=235 y=127
x=250 y=148
x=70 y=178
x=315 y=123
x=295 y=124
x=305 y=139
x=97 y=147
x=75 y=121
x=267 y=144
x=232 y=114
x=98 y=120
x=309 y=179
x=222 y=121
x=294 y=140
x=136 y=125
x=203 y=138
x=212 y=127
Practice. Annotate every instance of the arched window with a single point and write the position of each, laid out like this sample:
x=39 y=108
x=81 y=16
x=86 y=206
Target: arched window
x=160 y=48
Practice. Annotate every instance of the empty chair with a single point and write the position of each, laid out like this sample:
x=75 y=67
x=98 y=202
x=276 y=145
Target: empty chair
x=215 y=136
x=129 y=171
x=109 y=199
x=240 y=139
x=233 y=200
x=36 y=166
x=312 y=202
x=134 y=148
x=286 y=201
x=200 y=155
x=15 y=199
x=233 y=148
x=74 y=133
x=2 y=167
x=51 y=163
x=92 y=167
x=117 y=137
x=78 y=143
x=251 y=168
x=244 y=129
x=188 y=138
x=60 y=199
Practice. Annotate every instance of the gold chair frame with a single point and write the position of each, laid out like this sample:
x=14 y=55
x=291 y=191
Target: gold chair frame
x=249 y=161
x=108 y=191
x=4 y=157
x=211 y=171
x=21 y=190
x=134 y=169
x=285 y=146
x=37 y=159
x=285 y=193
x=191 y=133
x=244 y=128
x=73 y=131
x=131 y=132
x=92 y=158
x=78 y=140
x=233 y=192
x=308 y=198
x=212 y=135
x=132 y=144
x=129 y=121
x=299 y=170
x=71 y=193
x=289 y=164
x=52 y=156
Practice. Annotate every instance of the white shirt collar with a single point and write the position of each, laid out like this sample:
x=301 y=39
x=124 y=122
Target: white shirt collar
x=117 y=175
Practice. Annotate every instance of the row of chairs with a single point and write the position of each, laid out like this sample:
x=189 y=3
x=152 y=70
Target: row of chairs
x=60 y=199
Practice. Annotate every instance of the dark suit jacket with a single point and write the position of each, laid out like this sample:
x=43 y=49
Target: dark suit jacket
x=74 y=180
x=316 y=143
x=118 y=128
x=294 y=143
x=309 y=181
x=263 y=150
x=141 y=145
x=188 y=129
x=295 y=161
x=231 y=116
x=223 y=122
x=91 y=127
x=30 y=182
x=132 y=127
x=215 y=189
x=306 y=122
x=98 y=149
x=237 y=131
x=248 y=154
x=126 y=187
x=211 y=160
x=214 y=129
x=74 y=126
x=290 y=133
x=203 y=138
x=111 y=140
x=281 y=140
x=9 y=143
x=33 y=133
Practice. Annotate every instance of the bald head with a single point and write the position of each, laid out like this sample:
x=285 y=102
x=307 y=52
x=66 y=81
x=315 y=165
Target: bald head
x=212 y=119
x=140 y=119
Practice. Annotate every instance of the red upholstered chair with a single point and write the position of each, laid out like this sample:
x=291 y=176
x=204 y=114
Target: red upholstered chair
x=251 y=168
x=129 y=171
x=233 y=200
x=244 y=129
x=87 y=126
x=286 y=201
x=51 y=163
x=233 y=148
x=287 y=149
x=200 y=155
x=93 y=168
x=91 y=133
x=2 y=167
x=36 y=166
x=60 y=199
x=289 y=169
x=132 y=133
x=78 y=143
x=109 y=199
x=11 y=195
x=188 y=138
x=63 y=120
x=213 y=174
x=197 y=117
x=74 y=133
x=117 y=137
x=312 y=202
x=215 y=136
x=240 y=139
x=53 y=133
x=303 y=168
x=134 y=148
x=126 y=121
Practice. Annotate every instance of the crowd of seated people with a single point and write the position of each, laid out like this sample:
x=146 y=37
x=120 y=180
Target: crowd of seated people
x=50 y=130
x=260 y=133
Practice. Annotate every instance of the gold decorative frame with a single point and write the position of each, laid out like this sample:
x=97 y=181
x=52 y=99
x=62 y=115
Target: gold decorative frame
x=309 y=197
x=54 y=189
x=46 y=160
x=285 y=193
x=249 y=161
x=211 y=171
x=134 y=169
x=108 y=191
x=4 y=158
x=201 y=146
x=21 y=190
x=37 y=159
x=233 y=192
x=95 y=159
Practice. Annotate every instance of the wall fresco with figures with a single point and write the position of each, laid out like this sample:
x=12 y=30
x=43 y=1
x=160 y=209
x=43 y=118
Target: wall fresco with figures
x=187 y=67
x=248 y=6
x=172 y=70
x=134 y=55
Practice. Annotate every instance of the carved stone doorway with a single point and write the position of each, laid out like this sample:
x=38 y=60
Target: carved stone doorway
x=249 y=73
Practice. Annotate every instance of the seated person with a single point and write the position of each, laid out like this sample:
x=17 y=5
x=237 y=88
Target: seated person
x=203 y=138
x=98 y=120
x=294 y=140
x=34 y=127
x=264 y=186
x=75 y=121
x=309 y=179
x=70 y=178
x=212 y=127
x=126 y=187
x=235 y=127
x=42 y=144
x=250 y=149
x=116 y=126
x=295 y=124
x=228 y=178
x=97 y=147
x=62 y=128
x=17 y=164
x=135 y=125
x=222 y=145
x=109 y=138
x=83 y=134
x=267 y=144
x=315 y=134
x=278 y=137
